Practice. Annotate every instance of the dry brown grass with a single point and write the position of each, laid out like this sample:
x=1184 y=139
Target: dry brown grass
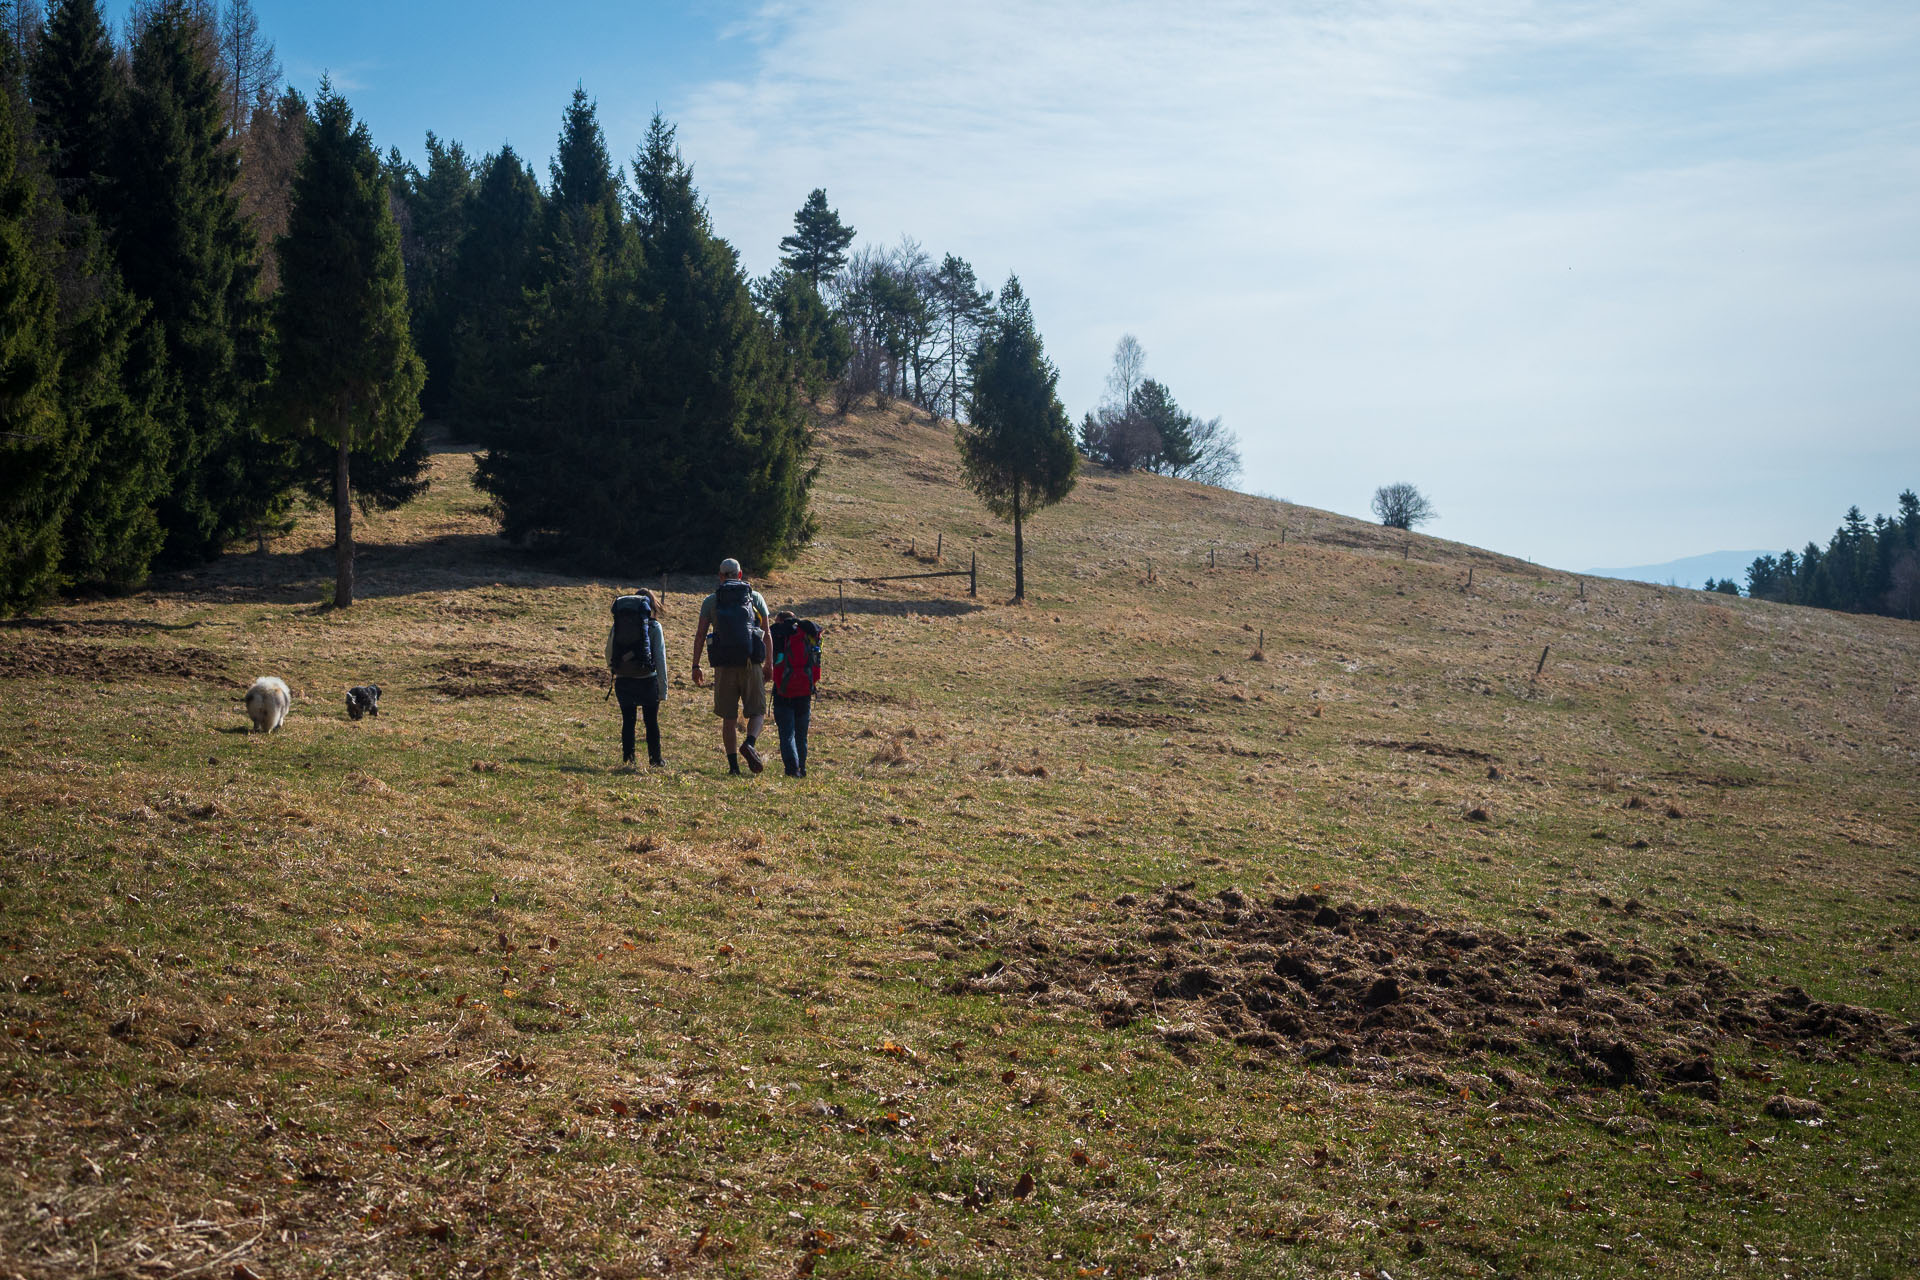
x=444 y=991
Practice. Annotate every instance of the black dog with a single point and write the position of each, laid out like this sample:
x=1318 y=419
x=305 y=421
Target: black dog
x=363 y=700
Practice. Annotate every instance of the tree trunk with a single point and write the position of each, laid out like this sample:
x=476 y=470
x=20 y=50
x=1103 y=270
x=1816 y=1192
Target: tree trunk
x=1019 y=553
x=342 y=522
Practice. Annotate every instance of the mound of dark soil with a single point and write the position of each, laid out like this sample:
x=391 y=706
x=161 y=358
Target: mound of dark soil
x=1344 y=983
x=25 y=658
x=485 y=678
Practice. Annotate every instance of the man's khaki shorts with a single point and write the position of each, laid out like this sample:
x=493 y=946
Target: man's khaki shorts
x=735 y=686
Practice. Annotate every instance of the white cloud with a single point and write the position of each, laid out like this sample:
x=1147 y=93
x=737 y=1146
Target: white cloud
x=1560 y=263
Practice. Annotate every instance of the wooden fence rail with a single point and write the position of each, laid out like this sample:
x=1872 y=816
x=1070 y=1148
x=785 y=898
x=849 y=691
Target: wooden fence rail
x=971 y=573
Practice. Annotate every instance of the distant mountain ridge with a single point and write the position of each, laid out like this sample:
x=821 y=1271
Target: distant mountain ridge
x=1690 y=571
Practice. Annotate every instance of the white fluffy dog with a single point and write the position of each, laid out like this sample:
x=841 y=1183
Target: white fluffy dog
x=267 y=703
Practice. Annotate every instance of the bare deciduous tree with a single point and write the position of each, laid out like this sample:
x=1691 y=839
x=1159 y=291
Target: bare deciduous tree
x=247 y=62
x=1129 y=368
x=23 y=22
x=276 y=137
x=1216 y=453
x=1401 y=506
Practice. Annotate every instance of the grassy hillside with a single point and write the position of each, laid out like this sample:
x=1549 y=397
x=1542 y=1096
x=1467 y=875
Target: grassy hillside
x=1106 y=939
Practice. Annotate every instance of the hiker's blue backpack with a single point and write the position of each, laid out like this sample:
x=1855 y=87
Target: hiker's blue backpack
x=633 y=653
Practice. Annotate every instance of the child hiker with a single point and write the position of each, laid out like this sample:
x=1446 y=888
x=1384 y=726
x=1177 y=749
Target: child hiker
x=796 y=672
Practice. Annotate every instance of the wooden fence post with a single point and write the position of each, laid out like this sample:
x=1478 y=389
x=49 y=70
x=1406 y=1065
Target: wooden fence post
x=1469 y=585
x=843 y=599
x=939 y=544
x=1539 y=666
x=973 y=575
x=1209 y=557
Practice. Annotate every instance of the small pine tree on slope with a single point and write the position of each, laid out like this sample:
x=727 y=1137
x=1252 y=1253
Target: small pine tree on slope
x=1017 y=452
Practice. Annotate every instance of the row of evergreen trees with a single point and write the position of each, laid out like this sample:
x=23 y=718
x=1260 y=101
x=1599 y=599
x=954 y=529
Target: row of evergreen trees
x=142 y=188
x=1866 y=567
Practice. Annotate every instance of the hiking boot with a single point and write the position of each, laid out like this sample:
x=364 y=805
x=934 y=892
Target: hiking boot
x=657 y=763
x=752 y=754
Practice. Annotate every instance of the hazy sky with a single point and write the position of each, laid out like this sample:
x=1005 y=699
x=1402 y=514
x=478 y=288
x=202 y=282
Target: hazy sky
x=1614 y=283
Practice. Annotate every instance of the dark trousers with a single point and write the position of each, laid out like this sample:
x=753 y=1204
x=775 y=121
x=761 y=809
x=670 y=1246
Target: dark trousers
x=791 y=716
x=637 y=694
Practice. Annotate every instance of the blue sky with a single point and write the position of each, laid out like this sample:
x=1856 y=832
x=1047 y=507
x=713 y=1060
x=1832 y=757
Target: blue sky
x=1613 y=282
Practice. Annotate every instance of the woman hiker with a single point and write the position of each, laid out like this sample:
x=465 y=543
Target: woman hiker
x=637 y=658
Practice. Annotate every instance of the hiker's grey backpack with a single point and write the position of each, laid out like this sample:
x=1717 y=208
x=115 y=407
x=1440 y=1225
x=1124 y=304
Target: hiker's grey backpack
x=633 y=653
x=737 y=639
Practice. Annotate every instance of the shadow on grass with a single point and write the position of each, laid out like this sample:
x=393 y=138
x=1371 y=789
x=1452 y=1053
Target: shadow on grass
x=450 y=562
x=92 y=626
x=831 y=606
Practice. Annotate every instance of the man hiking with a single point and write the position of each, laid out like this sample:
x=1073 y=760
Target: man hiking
x=736 y=615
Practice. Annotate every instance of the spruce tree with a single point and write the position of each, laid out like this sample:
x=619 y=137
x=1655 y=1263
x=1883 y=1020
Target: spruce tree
x=437 y=208
x=347 y=372
x=77 y=94
x=818 y=246
x=1017 y=450
x=814 y=338
x=38 y=451
x=720 y=384
x=184 y=249
x=488 y=295
x=111 y=383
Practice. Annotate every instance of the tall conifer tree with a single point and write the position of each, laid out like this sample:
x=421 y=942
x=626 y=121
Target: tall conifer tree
x=111 y=383
x=184 y=248
x=38 y=462
x=818 y=246
x=347 y=370
x=1017 y=450
x=77 y=94
x=721 y=384
x=488 y=293
x=437 y=204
